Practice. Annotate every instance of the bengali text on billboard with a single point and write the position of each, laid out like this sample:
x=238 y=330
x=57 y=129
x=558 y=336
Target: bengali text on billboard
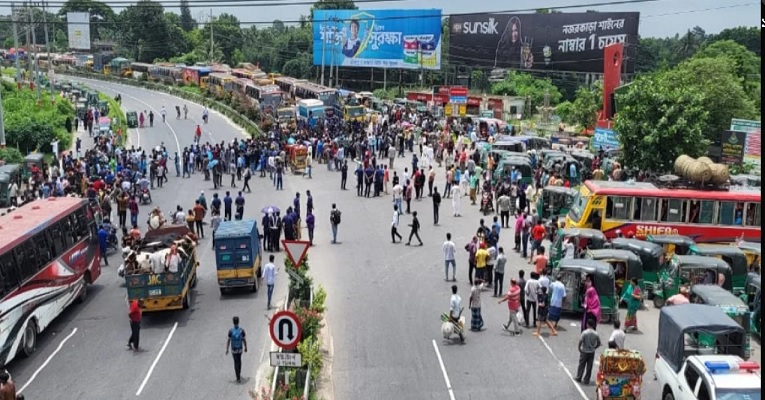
x=78 y=24
x=560 y=41
x=377 y=38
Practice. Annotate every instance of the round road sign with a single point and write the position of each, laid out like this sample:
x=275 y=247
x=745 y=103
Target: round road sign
x=285 y=329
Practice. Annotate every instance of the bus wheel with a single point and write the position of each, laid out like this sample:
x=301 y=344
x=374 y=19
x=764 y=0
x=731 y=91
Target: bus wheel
x=658 y=301
x=83 y=293
x=29 y=340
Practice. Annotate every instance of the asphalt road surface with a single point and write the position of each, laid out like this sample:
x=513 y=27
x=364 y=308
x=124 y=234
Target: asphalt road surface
x=384 y=304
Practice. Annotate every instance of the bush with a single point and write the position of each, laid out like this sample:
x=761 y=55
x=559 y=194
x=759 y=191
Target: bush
x=11 y=155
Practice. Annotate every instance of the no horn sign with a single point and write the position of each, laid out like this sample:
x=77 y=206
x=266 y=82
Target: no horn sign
x=285 y=329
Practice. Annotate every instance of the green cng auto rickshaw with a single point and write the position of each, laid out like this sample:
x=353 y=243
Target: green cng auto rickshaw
x=554 y=201
x=733 y=306
x=731 y=255
x=673 y=244
x=626 y=265
x=573 y=272
x=582 y=238
x=506 y=165
x=752 y=297
x=651 y=258
x=688 y=271
x=82 y=110
x=103 y=107
x=753 y=252
x=132 y=119
x=9 y=174
x=33 y=159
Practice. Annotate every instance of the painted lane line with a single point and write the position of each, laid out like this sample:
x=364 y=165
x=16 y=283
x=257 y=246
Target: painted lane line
x=565 y=369
x=50 y=357
x=156 y=360
x=443 y=369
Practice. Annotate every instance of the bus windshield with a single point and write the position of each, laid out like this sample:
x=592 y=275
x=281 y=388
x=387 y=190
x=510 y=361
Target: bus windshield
x=318 y=112
x=286 y=113
x=577 y=207
x=271 y=99
x=355 y=111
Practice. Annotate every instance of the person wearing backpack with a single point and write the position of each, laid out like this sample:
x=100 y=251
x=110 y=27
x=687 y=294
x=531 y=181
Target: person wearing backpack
x=334 y=220
x=236 y=344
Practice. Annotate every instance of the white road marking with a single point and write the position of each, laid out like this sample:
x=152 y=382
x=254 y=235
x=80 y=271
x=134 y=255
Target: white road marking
x=565 y=369
x=156 y=360
x=443 y=369
x=50 y=357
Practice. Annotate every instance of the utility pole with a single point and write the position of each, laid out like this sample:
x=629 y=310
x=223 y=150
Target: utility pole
x=212 y=42
x=332 y=51
x=323 y=49
x=47 y=50
x=36 y=69
x=419 y=56
x=29 y=39
x=16 y=42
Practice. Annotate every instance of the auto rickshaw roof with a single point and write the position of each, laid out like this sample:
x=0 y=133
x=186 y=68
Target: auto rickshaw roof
x=515 y=160
x=750 y=246
x=703 y=262
x=584 y=233
x=714 y=295
x=586 y=266
x=638 y=245
x=754 y=280
x=676 y=321
x=559 y=189
x=34 y=158
x=613 y=254
x=719 y=249
x=672 y=239
x=9 y=168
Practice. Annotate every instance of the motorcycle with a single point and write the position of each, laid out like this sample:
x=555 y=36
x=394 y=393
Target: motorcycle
x=487 y=203
x=449 y=328
x=145 y=196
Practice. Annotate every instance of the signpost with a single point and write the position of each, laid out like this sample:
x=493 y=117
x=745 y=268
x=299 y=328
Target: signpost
x=285 y=329
x=458 y=95
x=292 y=360
x=294 y=247
x=294 y=275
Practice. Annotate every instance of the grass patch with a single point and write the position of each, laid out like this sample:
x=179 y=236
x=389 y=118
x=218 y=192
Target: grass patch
x=191 y=89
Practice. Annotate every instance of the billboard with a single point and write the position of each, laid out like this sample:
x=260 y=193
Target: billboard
x=78 y=24
x=560 y=41
x=377 y=38
x=753 y=147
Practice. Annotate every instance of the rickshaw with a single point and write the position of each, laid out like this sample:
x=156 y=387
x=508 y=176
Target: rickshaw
x=103 y=107
x=583 y=239
x=297 y=158
x=104 y=126
x=620 y=375
x=753 y=252
x=75 y=93
x=731 y=255
x=508 y=145
x=651 y=259
x=506 y=165
x=688 y=271
x=132 y=119
x=82 y=110
x=733 y=306
x=752 y=297
x=573 y=272
x=543 y=154
x=626 y=265
x=34 y=159
x=673 y=244
x=92 y=99
x=554 y=201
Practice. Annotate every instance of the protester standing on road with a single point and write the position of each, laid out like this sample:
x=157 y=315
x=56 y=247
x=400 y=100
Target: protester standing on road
x=415 y=231
x=557 y=294
x=394 y=225
x=449 y=258
x=471 y=248
x=503 y=204
x=247 y=177
x=513 y=299
x=476 y=319
x=199 y=216
x=227 y=202
x=542 y=312
x=436 y=204
x=237 y=342
x=239 y=202
x=8 y=388
x=310 y=223
x=343 y=175
x=133 y=207
x=499 y=272
x=103 y=238
x=532 y=289
x=456 y=194
x=269 y=272
x=398 y=196
x=334 y=221
x=134 y=314
x=589 y=341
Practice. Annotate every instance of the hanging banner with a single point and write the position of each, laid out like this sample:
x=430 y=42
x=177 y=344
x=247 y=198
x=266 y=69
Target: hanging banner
x=752 y=146
x=78 y=24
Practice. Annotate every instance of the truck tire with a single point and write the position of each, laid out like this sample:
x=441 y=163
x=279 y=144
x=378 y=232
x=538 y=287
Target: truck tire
x=29 y=339
x=222 y=291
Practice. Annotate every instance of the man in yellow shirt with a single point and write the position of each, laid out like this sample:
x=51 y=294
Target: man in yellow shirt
x=481 y=258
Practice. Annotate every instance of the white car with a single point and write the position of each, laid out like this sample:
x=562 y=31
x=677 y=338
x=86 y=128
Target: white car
x=709 y=377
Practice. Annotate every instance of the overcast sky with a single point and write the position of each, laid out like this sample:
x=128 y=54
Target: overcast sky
x=657 y=19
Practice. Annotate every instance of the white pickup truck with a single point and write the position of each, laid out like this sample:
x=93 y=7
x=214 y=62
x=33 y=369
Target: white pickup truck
x=709 y=377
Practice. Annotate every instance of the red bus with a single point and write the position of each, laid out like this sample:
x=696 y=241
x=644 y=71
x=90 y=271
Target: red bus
x=642 y=208
x=48 y=255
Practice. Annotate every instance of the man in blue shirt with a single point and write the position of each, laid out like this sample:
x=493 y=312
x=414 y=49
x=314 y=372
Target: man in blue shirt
x=237 y=343
x=239 y=206
x=103 y=237
x=227 y=201
x=572 y=174
x=215 y=204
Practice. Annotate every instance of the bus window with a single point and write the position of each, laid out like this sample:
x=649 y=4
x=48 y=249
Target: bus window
x=725 y=213
x=57 y=239
x=707 y=212
x=674 y=210
x=618 y=207
x=738 y=214
x=8 y=273
x=43 y=249
x=753 y=214
x=26 y=259
x=647 y=209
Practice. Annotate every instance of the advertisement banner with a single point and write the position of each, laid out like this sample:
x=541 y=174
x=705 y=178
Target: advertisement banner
x=408 y=39
x=78 y=24
x=560 y=41
x=732 y=147
x=604 y=139
x=753 y=129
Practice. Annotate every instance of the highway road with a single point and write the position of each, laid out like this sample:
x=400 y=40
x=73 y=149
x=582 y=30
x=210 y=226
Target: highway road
x=384 y=304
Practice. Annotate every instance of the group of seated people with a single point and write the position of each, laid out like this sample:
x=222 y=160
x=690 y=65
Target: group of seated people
x=159 y=257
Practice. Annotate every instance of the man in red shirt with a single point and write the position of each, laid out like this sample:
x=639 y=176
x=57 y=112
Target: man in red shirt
x=538 y=233
x=513 y=299
x=135 y=324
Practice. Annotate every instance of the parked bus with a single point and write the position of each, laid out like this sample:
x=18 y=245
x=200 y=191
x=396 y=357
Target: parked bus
x=240 y=85
x=307 y=108
x=642 y=209
x=165 y=73
x=223 y=81
x=195 y=75
x=308 y=90
x=267 y=96
x=287 y=85
x=242 y=73
x=48 y=255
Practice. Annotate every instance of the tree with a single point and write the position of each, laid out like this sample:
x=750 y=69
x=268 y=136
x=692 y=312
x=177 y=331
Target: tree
x=278 y=26
x=690 y=43
x=747 y=36
x=145 y=31
x=583 y=111
x=333 y=5
x=187 y=21
x=522 y=84
x=547 y=11
x=746 y=64
x=227 y=35
x=659 y=120
x=101 y=15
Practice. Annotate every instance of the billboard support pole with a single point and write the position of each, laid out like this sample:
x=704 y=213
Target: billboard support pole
x=323 y=49
x=332 y=52
x=385 y=79
x=47 y=49
x=16 y=42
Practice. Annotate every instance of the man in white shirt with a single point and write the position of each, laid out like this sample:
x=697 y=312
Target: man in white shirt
x=449 y=259
x=394 y=225
x=616 y=341
x=398 y=197
x=568 y=249
x=269 y=272
x=532 y=289
x=455 y=305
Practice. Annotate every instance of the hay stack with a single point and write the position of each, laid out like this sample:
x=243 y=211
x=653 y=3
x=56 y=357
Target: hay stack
x=705 y=160
x=692 y=169
x=720 y=174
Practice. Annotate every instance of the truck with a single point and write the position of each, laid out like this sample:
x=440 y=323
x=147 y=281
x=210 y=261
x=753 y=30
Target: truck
x=162 y=288
x=237 y=255
x=307 y=108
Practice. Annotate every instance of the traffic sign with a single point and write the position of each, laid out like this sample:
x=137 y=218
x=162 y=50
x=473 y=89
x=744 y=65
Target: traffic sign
x=294 y=275
x=285 y=329
x=279 y=359
x=458 y=95
x=293 y=247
